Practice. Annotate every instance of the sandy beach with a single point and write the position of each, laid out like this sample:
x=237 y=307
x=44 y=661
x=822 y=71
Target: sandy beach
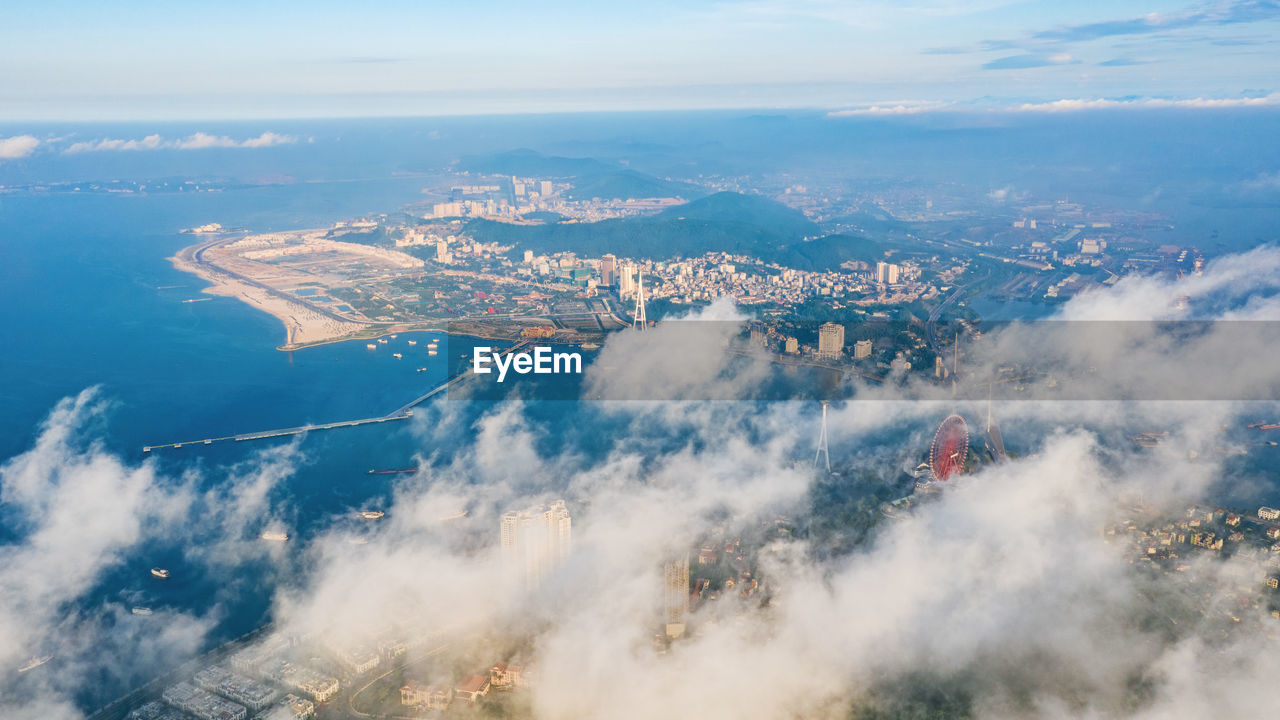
x=303 y=325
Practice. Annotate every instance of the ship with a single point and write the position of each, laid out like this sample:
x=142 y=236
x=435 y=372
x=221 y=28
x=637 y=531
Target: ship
x=144 y=611
x=432 y=353
x=413 y=342
x=371 y=514
x=393 y=337
x=422 y=369
x=393 y=471
x=590 y=346
x=160 y=573
x=396 y=355
x=34 y=663
x=275 y=536
x=371 y=346
x=432 y=345
x=382 y=341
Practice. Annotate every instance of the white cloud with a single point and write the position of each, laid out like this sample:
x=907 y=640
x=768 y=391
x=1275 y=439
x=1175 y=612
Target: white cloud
x=18 y=146
x=1060 y=106
x=195 y=141
x=1072 y=105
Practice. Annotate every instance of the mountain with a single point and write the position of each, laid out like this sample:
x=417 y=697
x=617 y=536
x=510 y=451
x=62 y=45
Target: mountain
x=531 y=163
x=725 y=221
x=624 y=184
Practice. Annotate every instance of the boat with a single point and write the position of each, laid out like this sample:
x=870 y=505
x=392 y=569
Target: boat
x=358 y=541
x=396 y=355
x=144 y=611
x=393 y=337
x=371 y=346
x=432 y=353
x=382 y=341
x=590 y=346
x=275 y=536
x=371 y=514
x=160 y=573
x=432 y=345
x=422 y=369
x=208 y=442
x=393 y=471
x=34 y=663
x=413 y=342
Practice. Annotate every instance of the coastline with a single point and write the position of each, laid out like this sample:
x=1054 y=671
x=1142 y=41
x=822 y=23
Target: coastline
x=304 y=327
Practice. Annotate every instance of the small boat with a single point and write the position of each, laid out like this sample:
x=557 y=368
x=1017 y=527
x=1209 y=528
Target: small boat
x=432 y=353
x=34 y=663
x=393 y=337
x=274 y=536
x=358 y=541
x=371 y=346
x=413 y=342
x=372 y=514
x=396 y=355
x=590 y=346
x=160 y=573
x=422 y=369
x=432 y=346
x=382 y=341
x=143 y=611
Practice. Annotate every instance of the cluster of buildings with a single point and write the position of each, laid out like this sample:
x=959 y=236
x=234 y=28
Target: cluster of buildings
x=502 y=676
x=219 y=693
x=1164 y=542
x=520 y=196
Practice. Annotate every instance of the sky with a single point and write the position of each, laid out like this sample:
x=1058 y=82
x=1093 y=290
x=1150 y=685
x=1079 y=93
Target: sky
x=146 y=60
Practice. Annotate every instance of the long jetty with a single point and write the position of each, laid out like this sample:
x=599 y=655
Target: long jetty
x=403 y=412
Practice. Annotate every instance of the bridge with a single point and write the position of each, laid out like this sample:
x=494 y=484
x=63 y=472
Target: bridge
x=403 y=412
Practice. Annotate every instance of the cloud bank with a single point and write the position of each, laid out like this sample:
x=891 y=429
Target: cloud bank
x=196 y=141
x=18 y=146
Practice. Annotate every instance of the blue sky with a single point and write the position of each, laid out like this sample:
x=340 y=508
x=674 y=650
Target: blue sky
x=167 y=60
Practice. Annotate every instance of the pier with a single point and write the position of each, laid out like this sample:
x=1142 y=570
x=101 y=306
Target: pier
x=403 y=412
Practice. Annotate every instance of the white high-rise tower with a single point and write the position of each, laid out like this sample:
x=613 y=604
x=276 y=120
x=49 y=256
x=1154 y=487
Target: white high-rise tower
x=639 y=322
x=822 y=453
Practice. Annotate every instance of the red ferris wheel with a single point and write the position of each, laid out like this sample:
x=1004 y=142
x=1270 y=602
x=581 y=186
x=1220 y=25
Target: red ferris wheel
x=950 y=448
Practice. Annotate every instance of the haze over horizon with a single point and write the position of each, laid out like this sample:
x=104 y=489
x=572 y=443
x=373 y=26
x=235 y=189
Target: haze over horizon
x=148 y=61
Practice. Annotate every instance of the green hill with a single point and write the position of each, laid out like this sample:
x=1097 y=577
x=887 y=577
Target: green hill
x=724 y=221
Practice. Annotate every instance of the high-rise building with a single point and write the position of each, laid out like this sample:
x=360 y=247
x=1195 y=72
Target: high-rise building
x=627 y=280
x=830 y=340
x=608 y=270
x=792 y=345
x=677 y=596
x=544 y=188
x=887 y=273
x=534 y=541
x=862 y=349
x=528 y=256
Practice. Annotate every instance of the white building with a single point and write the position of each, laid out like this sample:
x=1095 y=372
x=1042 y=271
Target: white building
x=535 y=541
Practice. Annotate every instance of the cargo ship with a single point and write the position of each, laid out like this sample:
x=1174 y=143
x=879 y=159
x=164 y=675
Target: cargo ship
x=393 y=471
x=274 y=536
x=143 y=611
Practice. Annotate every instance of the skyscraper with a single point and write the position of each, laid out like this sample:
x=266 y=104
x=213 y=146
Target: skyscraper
x=677 y=596
x=608 y=270
x=627 y=280
x=887 y=273
x=534 y=541
x=830 y=340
